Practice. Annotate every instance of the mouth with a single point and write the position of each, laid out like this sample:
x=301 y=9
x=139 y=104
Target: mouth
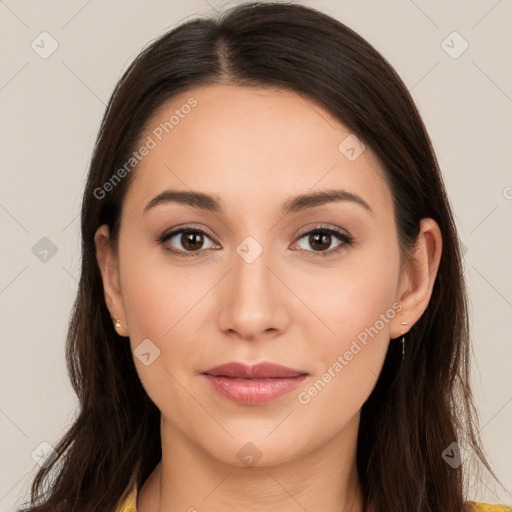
x=263 y=370
x=254 y=385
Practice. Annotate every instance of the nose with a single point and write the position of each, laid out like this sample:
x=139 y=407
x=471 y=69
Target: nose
x=253 y=297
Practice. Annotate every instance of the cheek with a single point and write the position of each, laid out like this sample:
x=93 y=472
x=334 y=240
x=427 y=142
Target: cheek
x=350 y=358
x=349 y=300
x=166 y=303
x=149 y=300
x=354 y=306
x=158 y=292
x=161 y=302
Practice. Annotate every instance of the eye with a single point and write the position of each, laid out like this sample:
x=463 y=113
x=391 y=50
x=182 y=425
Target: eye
x=322 y=237
x=190 y=239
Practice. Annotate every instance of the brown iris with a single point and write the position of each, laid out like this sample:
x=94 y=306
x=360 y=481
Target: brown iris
x=192 y=240
x=320 y=238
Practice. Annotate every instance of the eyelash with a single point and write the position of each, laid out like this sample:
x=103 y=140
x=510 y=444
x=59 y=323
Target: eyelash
x=344 y=238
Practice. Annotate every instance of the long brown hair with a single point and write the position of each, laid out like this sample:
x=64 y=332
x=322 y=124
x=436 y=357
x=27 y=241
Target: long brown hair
x=418 y=408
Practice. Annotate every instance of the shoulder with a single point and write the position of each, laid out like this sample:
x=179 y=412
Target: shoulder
x=472 y=506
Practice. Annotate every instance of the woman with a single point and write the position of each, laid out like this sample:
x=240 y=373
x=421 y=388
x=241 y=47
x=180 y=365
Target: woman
x=271 y=312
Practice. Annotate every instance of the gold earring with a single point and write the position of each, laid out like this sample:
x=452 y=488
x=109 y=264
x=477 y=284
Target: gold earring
x=119 y=328
x=403 y=340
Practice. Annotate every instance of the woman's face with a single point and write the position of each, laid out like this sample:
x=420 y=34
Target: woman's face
x=255 y=287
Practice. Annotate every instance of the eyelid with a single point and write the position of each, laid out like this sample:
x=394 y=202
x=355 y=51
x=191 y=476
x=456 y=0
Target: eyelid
x=175 y=231
x=343 y=236
x=323 y=228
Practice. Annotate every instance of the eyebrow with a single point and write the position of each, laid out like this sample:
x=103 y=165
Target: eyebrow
x=212 y=203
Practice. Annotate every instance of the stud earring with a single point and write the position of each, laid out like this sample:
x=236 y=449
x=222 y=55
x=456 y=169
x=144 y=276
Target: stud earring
x=119 y=328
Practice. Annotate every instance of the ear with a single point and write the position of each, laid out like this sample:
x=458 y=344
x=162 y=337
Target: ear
x=108 y=263
x=418 y=277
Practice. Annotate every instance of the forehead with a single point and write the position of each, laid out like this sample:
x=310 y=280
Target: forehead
x=247 y=144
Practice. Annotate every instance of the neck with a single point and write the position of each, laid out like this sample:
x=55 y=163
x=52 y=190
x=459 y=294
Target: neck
x=188 y=479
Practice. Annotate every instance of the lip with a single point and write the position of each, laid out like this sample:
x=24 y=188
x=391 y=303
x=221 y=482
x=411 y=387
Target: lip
x=256 y=384
x=263 y=370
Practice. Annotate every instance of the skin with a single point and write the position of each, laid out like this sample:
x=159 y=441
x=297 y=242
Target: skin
x=255 y=148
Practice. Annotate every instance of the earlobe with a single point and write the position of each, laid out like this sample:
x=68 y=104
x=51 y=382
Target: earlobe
x=119 y=328
x=419 y=276
x=109 y=268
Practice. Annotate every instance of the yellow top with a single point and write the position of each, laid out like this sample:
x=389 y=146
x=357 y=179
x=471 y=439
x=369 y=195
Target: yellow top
x=130 y=505
x=483 y=507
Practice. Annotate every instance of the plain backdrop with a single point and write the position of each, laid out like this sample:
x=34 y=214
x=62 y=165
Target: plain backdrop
x=51 y=107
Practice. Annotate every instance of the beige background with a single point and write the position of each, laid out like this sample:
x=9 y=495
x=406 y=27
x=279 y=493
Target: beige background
x=51 y=110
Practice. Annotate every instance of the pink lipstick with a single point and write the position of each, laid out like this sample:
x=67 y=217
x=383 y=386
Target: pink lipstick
x=256 y=384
